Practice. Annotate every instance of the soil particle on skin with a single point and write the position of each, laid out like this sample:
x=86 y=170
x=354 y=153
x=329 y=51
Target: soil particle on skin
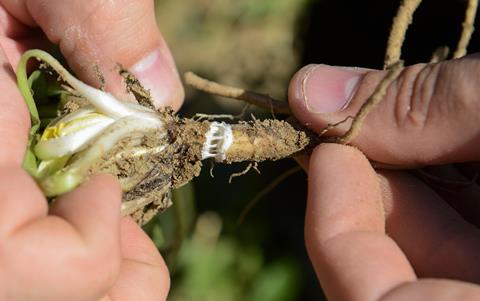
x=264 y=140
x=141 y=94
x=99 y=76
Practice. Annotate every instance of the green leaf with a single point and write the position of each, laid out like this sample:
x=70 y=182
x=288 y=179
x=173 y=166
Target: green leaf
x=39 y=86
x=24 y=85
x=61 y=182
x=48 y=168
x=25 y=88
x=30 y=163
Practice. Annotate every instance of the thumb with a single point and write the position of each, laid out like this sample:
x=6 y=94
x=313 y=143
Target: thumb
x=428 y=116
x=95 y=35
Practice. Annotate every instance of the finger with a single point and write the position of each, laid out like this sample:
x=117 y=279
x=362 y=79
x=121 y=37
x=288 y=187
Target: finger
x=78 y=244
x=19 y=11
x=428 y=114
x=21 y=201
x=143 y=273
x=14 y=117
x=434 y=289
x=94 y=210
x=16 y=37
x=436 y=240
x=14 y=48
x=345 y=228
x=10 y=26
x=96 y=35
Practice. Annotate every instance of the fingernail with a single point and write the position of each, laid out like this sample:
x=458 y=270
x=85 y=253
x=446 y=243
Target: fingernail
x=328 y=89
x=157 y=73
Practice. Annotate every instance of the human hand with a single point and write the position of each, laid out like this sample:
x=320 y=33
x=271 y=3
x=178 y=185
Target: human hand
x=386 y=235
x=80 y=248
x=95 y=36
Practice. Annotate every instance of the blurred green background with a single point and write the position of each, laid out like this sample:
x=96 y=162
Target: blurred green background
x=259 y=44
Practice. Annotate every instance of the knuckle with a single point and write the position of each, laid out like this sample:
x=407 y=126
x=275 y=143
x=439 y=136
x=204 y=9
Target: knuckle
x=413 y=94
x=425 y=94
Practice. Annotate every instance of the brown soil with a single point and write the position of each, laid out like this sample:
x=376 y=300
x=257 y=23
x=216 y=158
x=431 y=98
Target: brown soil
x=141 y=94
x=99 y=76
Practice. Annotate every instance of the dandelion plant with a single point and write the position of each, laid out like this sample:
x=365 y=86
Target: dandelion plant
x=149 y=151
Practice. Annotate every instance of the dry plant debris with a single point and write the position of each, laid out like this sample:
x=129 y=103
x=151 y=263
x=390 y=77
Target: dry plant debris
x=398 y=32
x=254 y=98
x=468 y=28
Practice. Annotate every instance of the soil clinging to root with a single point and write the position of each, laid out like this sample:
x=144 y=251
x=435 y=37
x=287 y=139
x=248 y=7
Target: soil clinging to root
x=264 y=140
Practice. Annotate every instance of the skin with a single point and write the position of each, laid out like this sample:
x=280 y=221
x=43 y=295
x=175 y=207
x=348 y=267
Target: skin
x=385 y=235
x=80 y=248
